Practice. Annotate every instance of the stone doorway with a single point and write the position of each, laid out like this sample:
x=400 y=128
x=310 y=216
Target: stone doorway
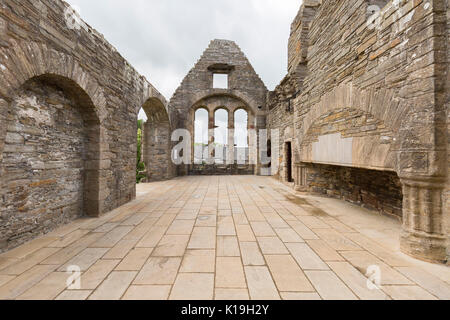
x=156 y=144
x=50 y=168
x=288 y=154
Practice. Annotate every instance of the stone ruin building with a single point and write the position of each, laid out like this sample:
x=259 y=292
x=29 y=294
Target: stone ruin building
x=361 y=115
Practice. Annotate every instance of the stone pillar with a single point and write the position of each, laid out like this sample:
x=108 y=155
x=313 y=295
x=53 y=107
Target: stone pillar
x=146 y=147
x=252 y=142
x=143 y=140
x=183 y=170
x=211 y=126
x=260 y=124
x=300 y=177
x=423 y=234
x=230 y=148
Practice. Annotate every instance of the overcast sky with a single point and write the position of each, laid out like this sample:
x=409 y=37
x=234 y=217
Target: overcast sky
x=163 y=39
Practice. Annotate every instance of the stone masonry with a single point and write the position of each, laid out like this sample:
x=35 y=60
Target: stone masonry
x=362 y=115
x=372 y=94
x=245 y=91
x=223 y=238
x=68 y=110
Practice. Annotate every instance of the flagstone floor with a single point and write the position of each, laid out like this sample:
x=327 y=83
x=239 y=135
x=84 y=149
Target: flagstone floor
x=239 y=237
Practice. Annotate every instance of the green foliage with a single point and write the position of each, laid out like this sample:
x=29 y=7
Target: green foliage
x=140 y=166
x=140 y=124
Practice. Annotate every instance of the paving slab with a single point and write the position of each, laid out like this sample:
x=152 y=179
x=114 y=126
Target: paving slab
x=238 y=238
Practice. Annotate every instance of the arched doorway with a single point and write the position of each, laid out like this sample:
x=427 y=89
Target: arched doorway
x=51 y=159
x=156 y=141
x=288 y=156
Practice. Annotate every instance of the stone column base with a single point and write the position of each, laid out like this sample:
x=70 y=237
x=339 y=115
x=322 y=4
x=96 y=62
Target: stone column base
x=299 y=188
x=424 y=246
x=423 y=234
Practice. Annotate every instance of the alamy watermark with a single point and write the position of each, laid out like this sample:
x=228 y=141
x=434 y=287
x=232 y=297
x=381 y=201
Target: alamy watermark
x=376 y=14
x=73 y=281
x=72 y=17
x=262 y=148
x=373 y=275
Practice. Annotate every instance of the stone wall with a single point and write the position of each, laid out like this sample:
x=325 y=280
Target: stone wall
x=298 y=39
x=375 y=96
x=223 y=57
x=360 y=94
x=375 y=190
x=156 y=140
x=281 y=101
x=157 y=152
x=349 y=137
x=43 y=163
x=245 y=90
x=447 y=108
x=68 y=120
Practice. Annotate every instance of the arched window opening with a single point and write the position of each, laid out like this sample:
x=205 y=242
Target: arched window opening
x=50 y=169
x=220 y=135
x=155 y=142
x=142 y=116
x=241 y=150
x=141 y=174
x=201 y=136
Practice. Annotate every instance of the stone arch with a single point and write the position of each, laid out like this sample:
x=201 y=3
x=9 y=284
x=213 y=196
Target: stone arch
x=193 y=111
x=418 y=163
x=23 y=61
x=349 y=154
x=250 y=119
x=196 y=108
x=247 y=111
x=211 y=101
x=245 y=108
x=221 y=107
x=151 y=95
x=51 y=161
x=231 y=109
x=379 y=103
x=246 y=100
x=157 y=140
x=156 y=111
